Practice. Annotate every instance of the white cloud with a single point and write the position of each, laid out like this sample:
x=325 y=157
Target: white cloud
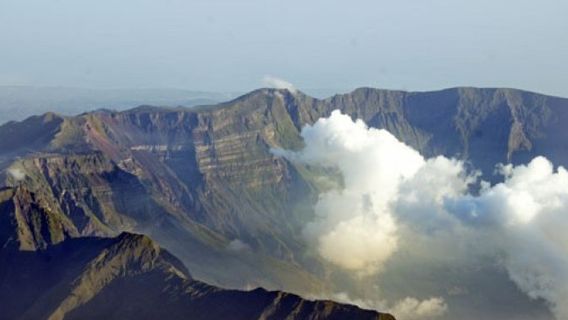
x=17 y=174
x=277 y=83
x=414 y=309
x=354 y=227
x=409 y=308
x=393 y=197
x=238 y=246
x=529 y=212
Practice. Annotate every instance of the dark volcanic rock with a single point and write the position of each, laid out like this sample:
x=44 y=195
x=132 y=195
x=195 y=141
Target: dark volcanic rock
x=131 y=277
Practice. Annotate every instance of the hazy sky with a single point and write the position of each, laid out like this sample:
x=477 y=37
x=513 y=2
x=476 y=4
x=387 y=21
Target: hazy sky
x=223 y=45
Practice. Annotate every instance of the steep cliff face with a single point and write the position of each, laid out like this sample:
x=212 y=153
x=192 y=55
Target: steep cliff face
x=143 y=174
x=204 y=183
x=131 y=277
x=28 y=223
x=198 y=163
x=485 y=126
x=91 y=191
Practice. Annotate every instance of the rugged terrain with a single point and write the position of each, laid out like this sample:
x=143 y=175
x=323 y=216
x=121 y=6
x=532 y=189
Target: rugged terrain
x=203 y=183
x=47 y=274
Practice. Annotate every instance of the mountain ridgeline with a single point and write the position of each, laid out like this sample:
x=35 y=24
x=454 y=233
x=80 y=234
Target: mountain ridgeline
x=203 y=183
x=125 y=277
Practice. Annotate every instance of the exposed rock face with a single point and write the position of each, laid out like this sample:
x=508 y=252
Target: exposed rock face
x=28 y=223
x=131 y=277
x=198 y=179
x=486 y=126
x=97 y=195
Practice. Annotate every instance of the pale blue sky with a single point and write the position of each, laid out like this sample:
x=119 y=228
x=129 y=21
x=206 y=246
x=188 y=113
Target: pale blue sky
x=223 y=45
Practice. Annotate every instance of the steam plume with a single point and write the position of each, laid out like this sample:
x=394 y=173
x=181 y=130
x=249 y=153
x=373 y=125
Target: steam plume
x=278 y=83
